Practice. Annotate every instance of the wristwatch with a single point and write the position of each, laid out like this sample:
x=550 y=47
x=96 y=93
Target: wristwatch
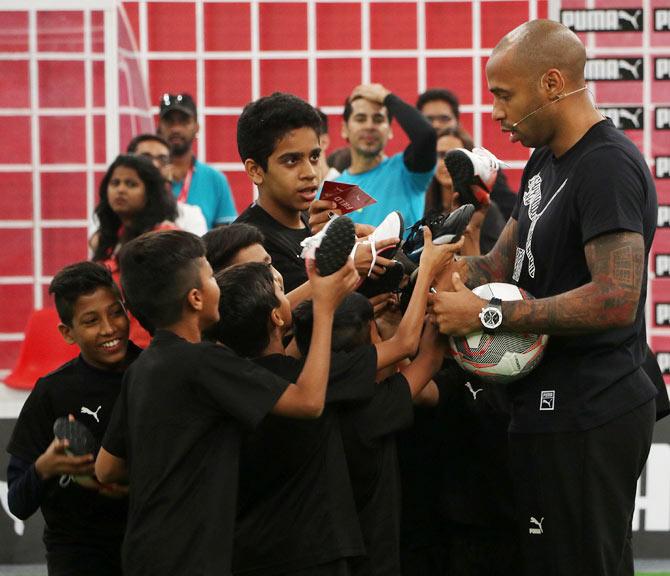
x=491 y=315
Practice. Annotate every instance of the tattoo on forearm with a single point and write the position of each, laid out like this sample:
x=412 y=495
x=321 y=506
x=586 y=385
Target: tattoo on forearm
x=610 y=299
x=497 y=265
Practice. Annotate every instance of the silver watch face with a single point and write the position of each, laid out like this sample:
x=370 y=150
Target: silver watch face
x=490 y=317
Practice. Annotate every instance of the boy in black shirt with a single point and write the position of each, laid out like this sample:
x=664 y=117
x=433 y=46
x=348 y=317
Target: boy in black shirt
x=369 y=424
x=84 y=525
x=278 y=141
x=295 y=508
x=175 y=432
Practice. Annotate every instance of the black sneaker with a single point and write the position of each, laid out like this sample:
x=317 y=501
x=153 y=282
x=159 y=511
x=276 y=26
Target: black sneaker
x=445 y=229
x=389 y=282
x=79 y=437
x=331 y=247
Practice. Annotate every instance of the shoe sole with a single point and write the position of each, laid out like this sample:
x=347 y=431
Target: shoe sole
x=336 y=246
x=79 y=437
x=462 y=174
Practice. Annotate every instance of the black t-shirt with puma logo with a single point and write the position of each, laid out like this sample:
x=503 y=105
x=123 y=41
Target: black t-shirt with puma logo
x=75 y=517
x=602 y=185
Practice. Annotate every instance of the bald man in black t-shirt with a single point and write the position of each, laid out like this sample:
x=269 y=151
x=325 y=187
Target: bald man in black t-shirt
x=578 y=240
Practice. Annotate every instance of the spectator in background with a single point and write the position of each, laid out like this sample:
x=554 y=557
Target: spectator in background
x=397 y=182
x=441 y=198
x=132 y=201
x=442 y=109
x=326 y=171
x=156 y=149
x=193 y=182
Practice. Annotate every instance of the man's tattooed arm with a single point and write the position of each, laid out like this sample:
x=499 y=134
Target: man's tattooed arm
x=496 y=266
x=609 y=300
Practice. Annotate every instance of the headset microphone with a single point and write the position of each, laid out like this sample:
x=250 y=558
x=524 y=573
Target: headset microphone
x=558 y=99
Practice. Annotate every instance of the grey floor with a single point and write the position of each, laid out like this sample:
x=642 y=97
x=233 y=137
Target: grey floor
x=648 y=565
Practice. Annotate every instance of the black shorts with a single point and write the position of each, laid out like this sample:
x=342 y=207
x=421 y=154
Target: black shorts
x=575 y=495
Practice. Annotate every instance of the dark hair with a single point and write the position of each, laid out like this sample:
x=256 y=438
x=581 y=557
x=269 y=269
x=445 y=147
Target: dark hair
x=439 y=94
x=351 y=324
x=76 y=280
x=223 y=243
x=267 y=120
x=348 y=109
x=324 y=120
x=158 y=269
x=433 y=202
x=160 y=206
x=147 y=137
x=340 y=159
x=247 y=300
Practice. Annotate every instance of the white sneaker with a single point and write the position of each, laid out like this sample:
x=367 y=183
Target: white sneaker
x=392 y=226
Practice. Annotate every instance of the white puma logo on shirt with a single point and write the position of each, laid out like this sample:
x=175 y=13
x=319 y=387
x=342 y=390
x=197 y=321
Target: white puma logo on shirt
x=85 y=410
x=473 y=392
x=537 y=530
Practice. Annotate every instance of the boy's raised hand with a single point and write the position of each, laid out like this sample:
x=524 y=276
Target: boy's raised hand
x=56 y=462
x=329 y=291
x=436 y=258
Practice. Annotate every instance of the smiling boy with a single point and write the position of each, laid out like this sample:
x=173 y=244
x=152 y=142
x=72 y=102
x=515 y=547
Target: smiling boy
x=84 y=526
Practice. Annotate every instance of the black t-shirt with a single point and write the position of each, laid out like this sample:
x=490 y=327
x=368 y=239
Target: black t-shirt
x=178 y=424
x=503 y=195
x=601 y=185
x=295 y=507
x=74 y=516
x=368 y=431
x=282 y=243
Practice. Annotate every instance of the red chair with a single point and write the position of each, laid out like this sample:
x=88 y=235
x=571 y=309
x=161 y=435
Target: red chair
x=42 y=351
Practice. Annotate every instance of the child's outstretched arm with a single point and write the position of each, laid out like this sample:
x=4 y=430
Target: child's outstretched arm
x=420 y=371
x=406 y=339
x=306 y=398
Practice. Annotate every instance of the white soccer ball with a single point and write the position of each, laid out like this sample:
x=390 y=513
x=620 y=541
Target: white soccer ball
x=504 y=356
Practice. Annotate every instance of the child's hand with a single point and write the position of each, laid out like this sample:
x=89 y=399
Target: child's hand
x=436 y=258
x=55 y=462
x=329 y=291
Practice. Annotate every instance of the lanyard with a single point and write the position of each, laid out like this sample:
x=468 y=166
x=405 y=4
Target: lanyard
x=183 y=195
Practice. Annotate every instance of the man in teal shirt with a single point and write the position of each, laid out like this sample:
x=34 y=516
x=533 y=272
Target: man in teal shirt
x=398 y=182
x=194 y=182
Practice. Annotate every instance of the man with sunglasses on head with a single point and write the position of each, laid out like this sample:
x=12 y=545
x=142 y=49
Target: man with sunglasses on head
x=156 y=149
x=193 y=182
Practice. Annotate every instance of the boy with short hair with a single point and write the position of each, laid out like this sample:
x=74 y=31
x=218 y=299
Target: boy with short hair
x=278 y=139
x=176 y=429
x=84 y=525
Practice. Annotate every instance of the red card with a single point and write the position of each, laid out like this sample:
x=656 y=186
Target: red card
x=348 y=197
